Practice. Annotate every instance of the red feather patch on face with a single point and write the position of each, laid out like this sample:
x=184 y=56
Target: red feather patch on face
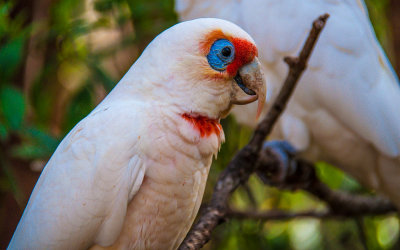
x=245 y=51
x=205 y=126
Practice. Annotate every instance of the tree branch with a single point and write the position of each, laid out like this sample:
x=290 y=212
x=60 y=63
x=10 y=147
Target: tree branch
x=278 y=215
x=340 y=204
x=304 y=177
x=244 y=162
x=349 y=204
x=297 y=65
x=286 y=215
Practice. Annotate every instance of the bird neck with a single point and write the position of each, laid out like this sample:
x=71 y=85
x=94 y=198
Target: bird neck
x=204 y=125
x=190 y=133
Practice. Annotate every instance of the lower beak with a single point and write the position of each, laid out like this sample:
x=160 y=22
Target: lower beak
x=249 y=86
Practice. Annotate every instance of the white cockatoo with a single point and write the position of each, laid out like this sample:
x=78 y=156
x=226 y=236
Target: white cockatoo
x=346 y=107
x=131 y=175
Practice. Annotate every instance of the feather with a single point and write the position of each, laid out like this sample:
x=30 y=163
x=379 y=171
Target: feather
x=345 y=107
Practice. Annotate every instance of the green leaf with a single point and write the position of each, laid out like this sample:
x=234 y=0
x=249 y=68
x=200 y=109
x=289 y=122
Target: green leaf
x=44 y=140
x=335 y=178
x=10 y=57
x=29 y=152
x=3 y=132
x=12 y=107
x=9 y=182
x=37 y=144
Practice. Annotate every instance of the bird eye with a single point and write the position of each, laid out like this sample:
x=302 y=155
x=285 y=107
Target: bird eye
x=221 y=54
x=226 y=51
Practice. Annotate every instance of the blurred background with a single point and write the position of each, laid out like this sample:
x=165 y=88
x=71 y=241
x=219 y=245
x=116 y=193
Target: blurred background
x=59 y=58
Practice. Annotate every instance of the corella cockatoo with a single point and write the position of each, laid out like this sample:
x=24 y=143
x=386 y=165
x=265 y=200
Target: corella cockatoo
x=131 y=175
x=346 y=108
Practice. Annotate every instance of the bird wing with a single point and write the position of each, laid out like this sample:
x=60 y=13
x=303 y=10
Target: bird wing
x=349 y=75
x=83 y=192
x=360 y=88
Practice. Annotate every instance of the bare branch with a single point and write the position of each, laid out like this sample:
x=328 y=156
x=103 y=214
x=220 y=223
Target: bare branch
x=277 y=215
x=297 y=66
x=305 y=178
x=243 y=164
x=350 y=204
x=285 y=215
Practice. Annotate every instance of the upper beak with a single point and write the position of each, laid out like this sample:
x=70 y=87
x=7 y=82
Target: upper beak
x=250 y=80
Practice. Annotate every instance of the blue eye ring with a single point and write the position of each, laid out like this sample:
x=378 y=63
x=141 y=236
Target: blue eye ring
x=221 y=54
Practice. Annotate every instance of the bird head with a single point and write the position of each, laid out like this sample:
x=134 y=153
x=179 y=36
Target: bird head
x=202 y=67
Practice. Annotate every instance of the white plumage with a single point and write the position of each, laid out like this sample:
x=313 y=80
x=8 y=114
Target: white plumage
x=345 y=109
x=131 y=175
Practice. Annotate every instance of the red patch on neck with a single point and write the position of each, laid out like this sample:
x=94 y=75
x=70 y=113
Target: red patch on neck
x=204 y=125
x=245 y=53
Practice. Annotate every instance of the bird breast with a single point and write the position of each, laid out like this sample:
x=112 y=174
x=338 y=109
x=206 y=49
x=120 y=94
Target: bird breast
x=163 y=210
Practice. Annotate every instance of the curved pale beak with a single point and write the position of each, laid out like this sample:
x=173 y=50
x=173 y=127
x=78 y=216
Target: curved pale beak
x=249 y=86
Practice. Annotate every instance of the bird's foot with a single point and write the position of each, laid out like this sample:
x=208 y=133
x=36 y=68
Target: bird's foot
x=280 y=167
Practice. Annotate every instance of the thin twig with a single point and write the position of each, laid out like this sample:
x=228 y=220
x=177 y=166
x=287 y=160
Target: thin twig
x=243 y=164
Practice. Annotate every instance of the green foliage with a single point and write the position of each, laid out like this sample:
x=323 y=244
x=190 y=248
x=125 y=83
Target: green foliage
x=151 y=17
x=13 y=36
x=377 y=10
x=37 y=145
x=13 y=107
x=335 y=178
x=10 y=56
x=382 y=232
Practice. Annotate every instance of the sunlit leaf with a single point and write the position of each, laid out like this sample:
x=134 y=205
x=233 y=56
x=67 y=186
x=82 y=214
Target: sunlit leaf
x=388 y=231
x=336 y=178
x=305 y=234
